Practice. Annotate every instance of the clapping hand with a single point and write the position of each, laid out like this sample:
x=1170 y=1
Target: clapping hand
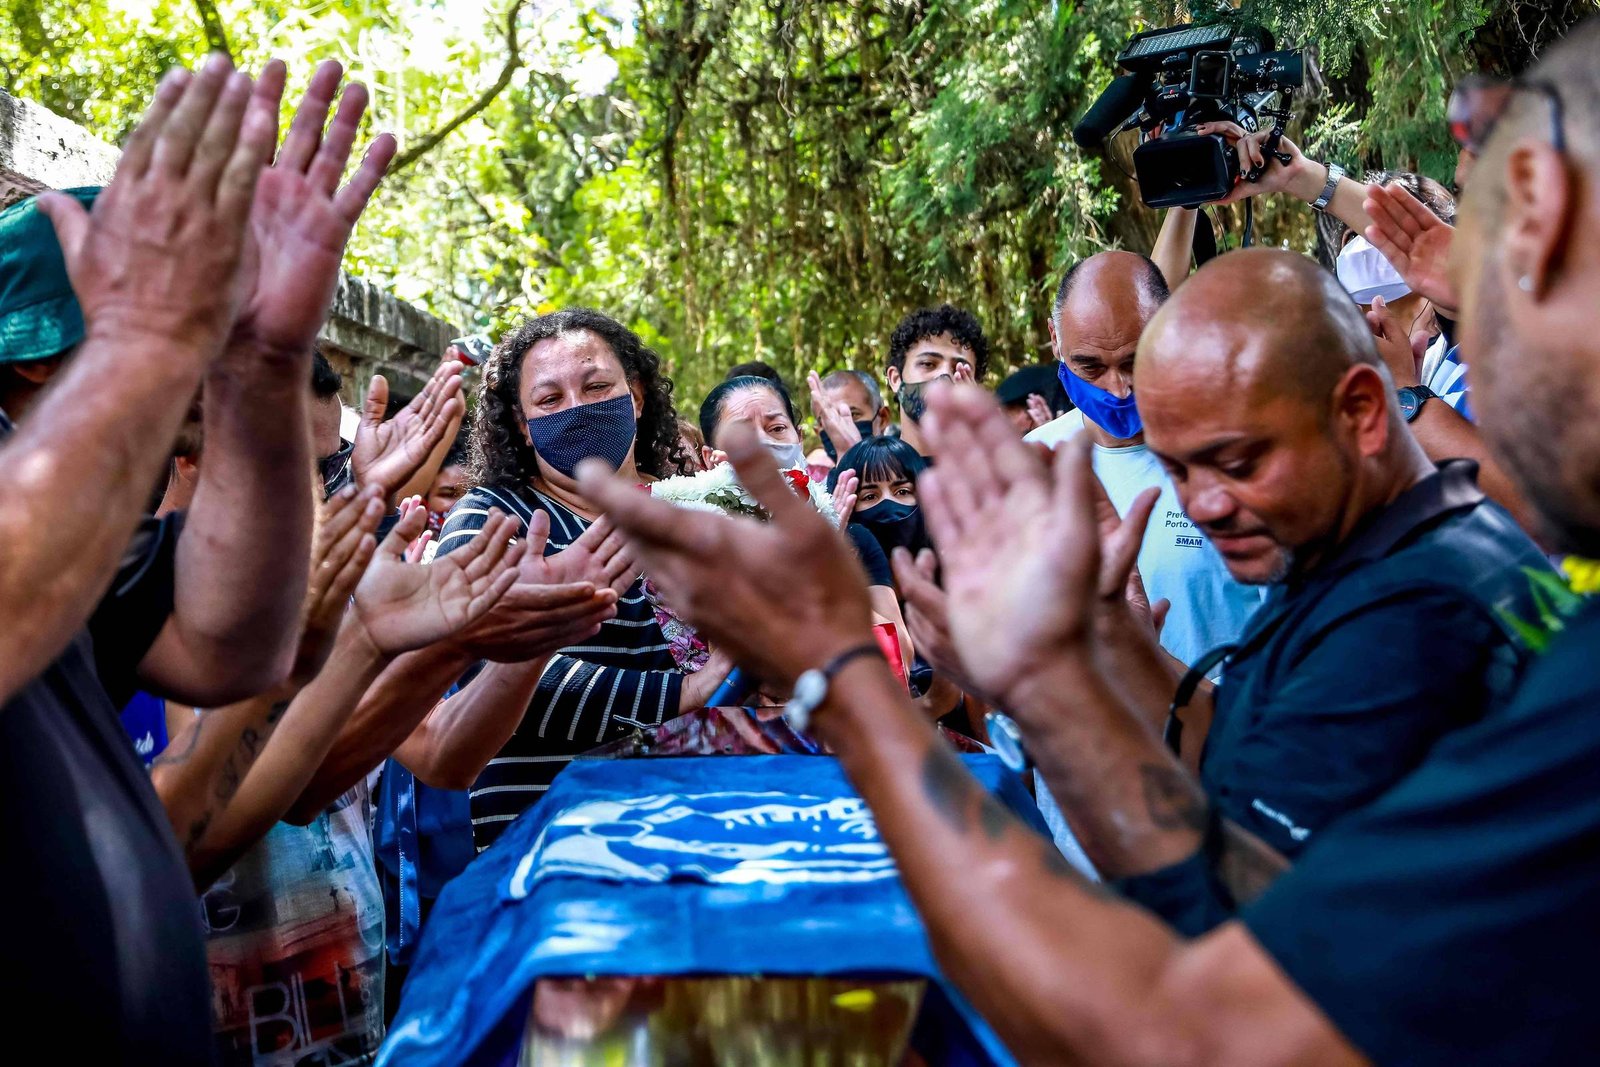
x=340 y=552
x=1415 y=241
x=927 y=612
x=833 y=416
x=302 y=217
x=845 y=490
x=1039 y=412
x=405 y=606
x=388 y=453
x=545 y=609
x=782 y=597
x=162 y=252
x=1017 y=538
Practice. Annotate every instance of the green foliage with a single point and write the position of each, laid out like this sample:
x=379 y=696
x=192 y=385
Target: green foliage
x=775 y=179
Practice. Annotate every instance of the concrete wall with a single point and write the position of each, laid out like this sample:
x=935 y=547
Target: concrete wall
x=368 y=330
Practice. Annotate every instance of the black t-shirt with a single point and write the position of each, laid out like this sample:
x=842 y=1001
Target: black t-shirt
x=871 y=554
x=104 y=950
x=1455 y=919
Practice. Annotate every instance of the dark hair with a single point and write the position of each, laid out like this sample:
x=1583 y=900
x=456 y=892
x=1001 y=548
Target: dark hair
x=755 y=368
x=877 y=458
x=500 y=455
x=711 y=408
x=325 y=381
x=457 y=456
x=961 y=325
x=1152 y=281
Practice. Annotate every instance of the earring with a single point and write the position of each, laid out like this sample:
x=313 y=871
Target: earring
x=1525 y=283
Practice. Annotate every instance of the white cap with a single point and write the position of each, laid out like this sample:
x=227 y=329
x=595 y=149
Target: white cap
x=1365 y=273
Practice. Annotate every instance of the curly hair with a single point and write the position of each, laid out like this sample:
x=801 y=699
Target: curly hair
x=499 y=454
x=961 y=325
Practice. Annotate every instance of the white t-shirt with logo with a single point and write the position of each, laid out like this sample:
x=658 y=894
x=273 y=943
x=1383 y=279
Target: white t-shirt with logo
x=1177 y=562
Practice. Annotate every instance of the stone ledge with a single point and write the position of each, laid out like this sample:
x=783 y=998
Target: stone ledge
x=368 y=329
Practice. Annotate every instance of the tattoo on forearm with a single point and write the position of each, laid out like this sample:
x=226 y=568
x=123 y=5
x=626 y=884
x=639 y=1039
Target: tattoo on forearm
x=232 y=774
x=1173 y=800
x=172 y=757
x=1247 y=864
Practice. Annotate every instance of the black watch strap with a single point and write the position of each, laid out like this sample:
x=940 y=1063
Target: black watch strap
x=1411 y=398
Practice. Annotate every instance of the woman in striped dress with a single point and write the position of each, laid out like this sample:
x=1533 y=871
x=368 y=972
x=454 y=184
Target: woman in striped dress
x=559 y=389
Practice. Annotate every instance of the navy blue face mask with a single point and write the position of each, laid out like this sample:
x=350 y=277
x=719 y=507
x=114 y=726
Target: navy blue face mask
x=893 y=525
x=1116 y=415
x=604 y=430
x=862 y=428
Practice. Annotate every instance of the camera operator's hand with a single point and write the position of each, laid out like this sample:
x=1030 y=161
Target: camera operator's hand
x=1301 y=177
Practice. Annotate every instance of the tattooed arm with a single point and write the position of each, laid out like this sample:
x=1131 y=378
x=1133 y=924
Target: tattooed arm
x=273 y=761
x=1065 y=972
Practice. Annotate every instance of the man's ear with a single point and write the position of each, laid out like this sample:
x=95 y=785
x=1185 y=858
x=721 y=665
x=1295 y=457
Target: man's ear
x=1539 y=202
x=880 y=421
x=1362 y=405
x=891 y=378
x=1055 y=342
x=37 y=371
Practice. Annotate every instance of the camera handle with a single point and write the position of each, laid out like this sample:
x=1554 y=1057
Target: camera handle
x=1269 y=148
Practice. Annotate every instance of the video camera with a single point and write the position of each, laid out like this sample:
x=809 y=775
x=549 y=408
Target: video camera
x=1180 y=77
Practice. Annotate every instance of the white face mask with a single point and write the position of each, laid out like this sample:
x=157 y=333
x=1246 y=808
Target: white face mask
x=1365 y=273
x=789 y=454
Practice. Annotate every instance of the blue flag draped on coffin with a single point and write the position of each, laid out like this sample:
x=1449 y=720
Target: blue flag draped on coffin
x=751 y=865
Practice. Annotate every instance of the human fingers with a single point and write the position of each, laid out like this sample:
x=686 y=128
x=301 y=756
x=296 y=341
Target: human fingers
x=1122 y=547
x=917 y=589
x=341 y=544
x=1231 y=131
x=945 y=524
x=961 y=474
x=964 y=373
x=1010 y=459
x=252 y=151
x=645 y=520
x=759 y=476
x=352 y=198
x=347 y=575
x=71 y=222
x=1158 y=614
x=327 y=166
x=481 y=555
x=305 y=129
x=136 y=154
x=219 y=137
x=183 y=131
x=538 y=533
x=377 y=402
x=1072 y=503
x=418 y=548
x=338 y=514
x=413 y=520
x=268 y=94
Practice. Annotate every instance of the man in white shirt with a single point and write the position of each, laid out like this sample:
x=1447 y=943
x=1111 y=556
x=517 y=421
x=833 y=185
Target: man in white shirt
x=1101 y=308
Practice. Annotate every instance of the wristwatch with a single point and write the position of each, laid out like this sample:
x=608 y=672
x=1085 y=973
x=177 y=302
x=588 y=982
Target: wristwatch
x=1412 y=397
x=1335 y=172
x=811 y=688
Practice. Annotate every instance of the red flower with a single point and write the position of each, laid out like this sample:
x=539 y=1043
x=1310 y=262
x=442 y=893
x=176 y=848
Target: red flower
x=800 y=482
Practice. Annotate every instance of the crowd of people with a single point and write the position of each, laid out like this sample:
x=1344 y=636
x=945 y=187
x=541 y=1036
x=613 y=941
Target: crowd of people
x=1249 y=573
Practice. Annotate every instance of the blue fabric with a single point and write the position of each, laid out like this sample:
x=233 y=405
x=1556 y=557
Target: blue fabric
x=424 y=839
x=144 y=718
x=1116 y=415
x=596 y=880
x=1449 y=380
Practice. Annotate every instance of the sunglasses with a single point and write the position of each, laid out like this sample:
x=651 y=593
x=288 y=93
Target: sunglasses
x=1477 y=103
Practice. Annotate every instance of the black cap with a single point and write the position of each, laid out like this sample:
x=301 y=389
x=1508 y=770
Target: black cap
x=1040 y=378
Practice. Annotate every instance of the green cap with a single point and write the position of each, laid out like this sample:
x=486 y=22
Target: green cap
x=39 y=314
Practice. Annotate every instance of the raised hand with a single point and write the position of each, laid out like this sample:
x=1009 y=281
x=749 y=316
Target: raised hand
x=302 y=217
x=833 y=417
x=388 y=453
x=844 y=496
x=542 y=611
x=1395 y=345
x=340 y=552
x=1018 y=540
x=1039 y=412
x=1415 y=241
x=600 y=556
x=161 y=253
x=405 y=606
x=781 y=597
x=927 y=612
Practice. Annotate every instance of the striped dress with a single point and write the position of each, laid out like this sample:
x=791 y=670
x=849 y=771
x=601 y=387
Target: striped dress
x=621 y=679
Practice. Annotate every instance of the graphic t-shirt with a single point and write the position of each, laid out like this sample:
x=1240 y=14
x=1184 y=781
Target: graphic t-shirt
x=294 y=938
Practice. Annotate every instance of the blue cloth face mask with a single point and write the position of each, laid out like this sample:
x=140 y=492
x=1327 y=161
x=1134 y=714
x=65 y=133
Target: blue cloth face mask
x=1116 y=415
x=604 y=430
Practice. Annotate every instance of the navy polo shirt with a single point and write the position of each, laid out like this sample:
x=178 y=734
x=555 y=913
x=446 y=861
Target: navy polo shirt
x=1454 y=920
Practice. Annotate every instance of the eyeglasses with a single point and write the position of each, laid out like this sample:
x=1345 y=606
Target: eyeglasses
x=1477 y=103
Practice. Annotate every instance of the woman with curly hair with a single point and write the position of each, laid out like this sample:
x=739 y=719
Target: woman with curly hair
x=559 y=389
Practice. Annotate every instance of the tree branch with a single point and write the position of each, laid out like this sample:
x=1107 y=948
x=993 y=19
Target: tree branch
x=427 y=142
x=211 y=21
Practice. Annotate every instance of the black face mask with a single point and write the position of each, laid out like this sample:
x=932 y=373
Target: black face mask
x=913 y=397
x=335 y=469
x=894 y=525
x=862 y=428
